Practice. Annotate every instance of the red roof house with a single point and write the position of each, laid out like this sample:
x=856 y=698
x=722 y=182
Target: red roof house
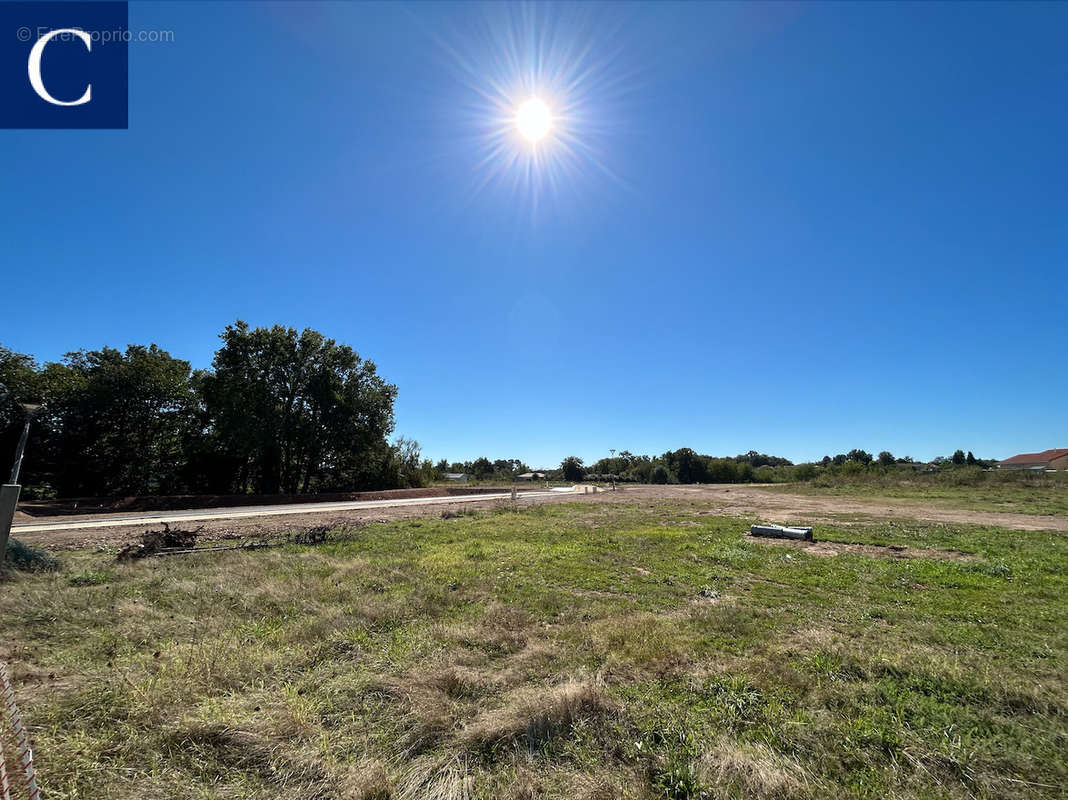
x=1047 y=459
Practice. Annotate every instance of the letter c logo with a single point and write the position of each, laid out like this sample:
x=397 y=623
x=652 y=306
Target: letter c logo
x=34 y=67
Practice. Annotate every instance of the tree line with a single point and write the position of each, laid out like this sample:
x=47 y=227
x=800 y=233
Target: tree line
x=287 y=412
x=684 y=465
x=278 y=412
x=687 y=466
x=505 y=469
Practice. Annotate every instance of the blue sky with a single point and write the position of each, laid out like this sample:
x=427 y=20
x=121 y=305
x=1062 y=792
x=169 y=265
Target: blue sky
x=798 y=229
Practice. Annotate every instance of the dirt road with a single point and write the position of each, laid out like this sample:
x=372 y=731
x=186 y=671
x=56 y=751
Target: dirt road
x=185 y=516
x=747 y=502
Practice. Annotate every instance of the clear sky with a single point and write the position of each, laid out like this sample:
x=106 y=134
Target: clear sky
x=798 y=229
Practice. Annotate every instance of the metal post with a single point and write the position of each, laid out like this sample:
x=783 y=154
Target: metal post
x=9 y=498
x=21 y=449
x=9 y=492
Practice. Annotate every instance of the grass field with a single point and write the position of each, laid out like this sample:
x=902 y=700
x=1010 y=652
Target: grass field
x=563 y=651
x=972 y=489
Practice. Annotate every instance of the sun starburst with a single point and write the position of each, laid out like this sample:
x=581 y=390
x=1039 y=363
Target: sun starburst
x=544 y=86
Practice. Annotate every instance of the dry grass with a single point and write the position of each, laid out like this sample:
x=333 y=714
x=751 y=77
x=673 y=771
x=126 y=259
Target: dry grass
x=435 y=778
x=370 y=781
x=531 y=717
x=754 y=770
x=522 y=656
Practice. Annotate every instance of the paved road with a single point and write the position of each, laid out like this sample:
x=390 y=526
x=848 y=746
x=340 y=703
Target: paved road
x=159 y=517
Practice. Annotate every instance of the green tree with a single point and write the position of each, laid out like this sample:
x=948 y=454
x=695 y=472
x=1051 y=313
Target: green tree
x=289 y=412
x=572 y=469
x=122 y=421
x=687 y=465
x=610 y=466
x=860 y=456
x=959 y=457
x=886 y=458
x=639 y=468
x=21 y=382
x=661 y=475
x=722 y=470
x=482 y=468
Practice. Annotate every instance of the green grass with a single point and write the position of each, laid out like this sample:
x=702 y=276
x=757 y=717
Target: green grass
x=565 y=651
x=966 y=488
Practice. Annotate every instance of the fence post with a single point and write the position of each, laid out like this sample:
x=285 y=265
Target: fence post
x=9 y=497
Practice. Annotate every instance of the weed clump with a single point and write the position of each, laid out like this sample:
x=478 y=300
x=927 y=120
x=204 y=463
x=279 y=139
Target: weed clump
x=533 y=718
x=29 y=559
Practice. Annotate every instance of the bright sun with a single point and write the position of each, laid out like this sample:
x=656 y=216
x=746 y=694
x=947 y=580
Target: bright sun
x=533 y=119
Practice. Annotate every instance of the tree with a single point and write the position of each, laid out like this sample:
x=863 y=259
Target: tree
x=290 y=412
x=610 y=466
x=886 y=458
x=640 y=469
x=571 y=467
x=508 y=468
x=863 y=456
x=959 y=457
x=21 y=382
x=756 y=459
x=113 y=422
x=661 y=474
x=970 y=459
x=408 y=464
x=722 y=470
x=482 y=468
x=687 y=466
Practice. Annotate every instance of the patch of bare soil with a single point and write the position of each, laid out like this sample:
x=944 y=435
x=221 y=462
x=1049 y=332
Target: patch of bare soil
x=747 y=502
x=779 y=507
x=783 y=507
x=871 y=550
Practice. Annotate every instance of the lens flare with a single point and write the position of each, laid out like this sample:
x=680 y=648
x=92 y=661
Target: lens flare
x=533 y=119
x=542 y=93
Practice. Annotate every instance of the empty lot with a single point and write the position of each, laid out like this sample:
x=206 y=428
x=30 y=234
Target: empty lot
x=775 y=504
x=635 y=645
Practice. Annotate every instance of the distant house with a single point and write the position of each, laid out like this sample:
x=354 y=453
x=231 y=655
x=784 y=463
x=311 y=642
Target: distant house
x=531 y=476
x=459 y=477
x=1047 y=459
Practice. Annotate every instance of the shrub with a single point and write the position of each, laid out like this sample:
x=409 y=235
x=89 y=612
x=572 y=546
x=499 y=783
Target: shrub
x=29 y=559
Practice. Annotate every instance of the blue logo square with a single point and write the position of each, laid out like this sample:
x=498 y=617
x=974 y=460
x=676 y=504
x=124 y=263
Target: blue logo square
x=63 y=65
